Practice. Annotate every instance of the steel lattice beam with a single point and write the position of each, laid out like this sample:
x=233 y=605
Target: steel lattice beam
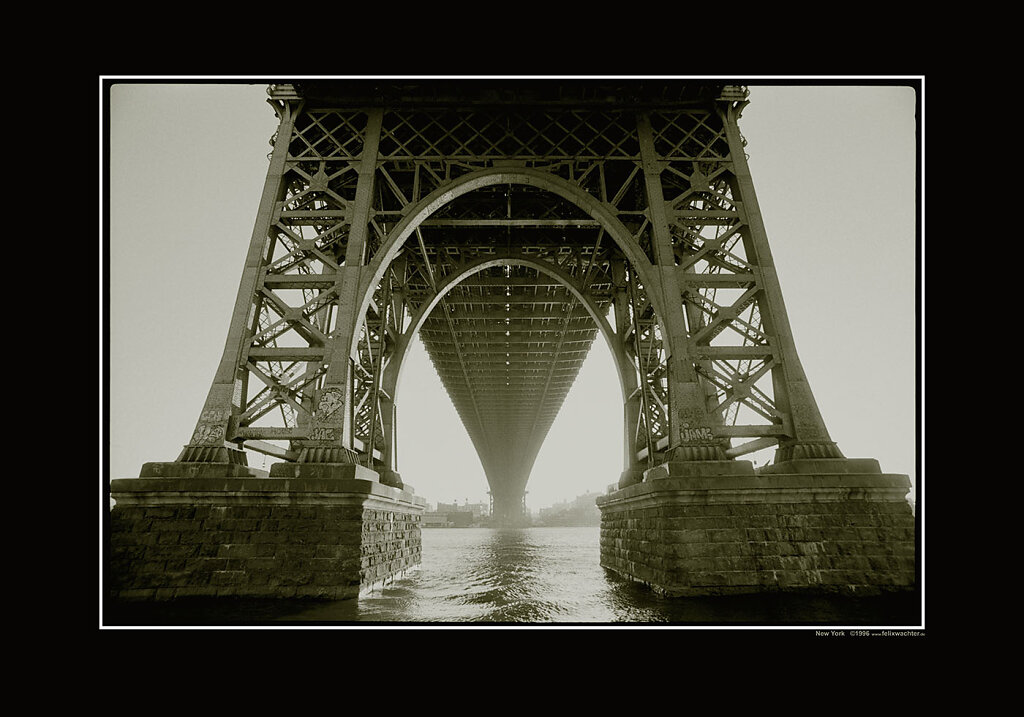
x=528 y=218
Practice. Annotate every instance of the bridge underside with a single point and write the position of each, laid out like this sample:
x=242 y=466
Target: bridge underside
x=508 y=340
x=506 y=226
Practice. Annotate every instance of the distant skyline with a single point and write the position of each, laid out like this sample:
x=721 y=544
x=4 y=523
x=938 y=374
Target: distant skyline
x=834 y=169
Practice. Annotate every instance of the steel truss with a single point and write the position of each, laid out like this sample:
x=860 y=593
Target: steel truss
x=507 y=227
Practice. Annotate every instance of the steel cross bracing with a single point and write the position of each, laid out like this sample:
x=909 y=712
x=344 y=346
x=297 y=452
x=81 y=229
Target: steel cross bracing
x=507 y=226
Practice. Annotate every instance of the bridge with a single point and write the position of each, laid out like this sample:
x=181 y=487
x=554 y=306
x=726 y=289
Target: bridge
x=506 y=225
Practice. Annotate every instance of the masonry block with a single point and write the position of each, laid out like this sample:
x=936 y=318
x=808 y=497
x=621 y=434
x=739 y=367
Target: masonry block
x=687 y=532
x=258 y=537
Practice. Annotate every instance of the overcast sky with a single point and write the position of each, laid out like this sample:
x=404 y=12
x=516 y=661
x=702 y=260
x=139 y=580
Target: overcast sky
x=834 y=168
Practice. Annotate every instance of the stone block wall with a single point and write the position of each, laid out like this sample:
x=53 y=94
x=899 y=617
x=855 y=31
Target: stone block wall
x=762 y=534
x=390 y=544
x=171 y=539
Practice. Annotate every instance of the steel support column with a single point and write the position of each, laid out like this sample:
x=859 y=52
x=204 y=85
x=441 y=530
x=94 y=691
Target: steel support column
x=690 y=435
x=212 y=439
x=807 y=435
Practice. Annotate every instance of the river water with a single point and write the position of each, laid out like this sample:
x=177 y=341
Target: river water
x=483 y=577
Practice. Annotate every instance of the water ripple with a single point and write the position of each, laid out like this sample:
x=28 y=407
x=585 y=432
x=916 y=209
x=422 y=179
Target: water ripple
x=531 y=576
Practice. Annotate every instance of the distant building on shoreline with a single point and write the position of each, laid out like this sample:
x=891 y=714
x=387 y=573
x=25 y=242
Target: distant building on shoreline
x=453 y=515
x=582 y=511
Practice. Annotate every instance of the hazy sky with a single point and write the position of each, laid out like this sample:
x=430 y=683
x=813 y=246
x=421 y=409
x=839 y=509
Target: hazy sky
x=834 y=168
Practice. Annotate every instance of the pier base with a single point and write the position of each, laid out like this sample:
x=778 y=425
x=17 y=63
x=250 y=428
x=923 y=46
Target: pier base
x=839 y=527
x=260 y=537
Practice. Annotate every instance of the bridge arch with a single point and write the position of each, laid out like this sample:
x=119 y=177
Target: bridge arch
x=624 y=368
x=422 y=210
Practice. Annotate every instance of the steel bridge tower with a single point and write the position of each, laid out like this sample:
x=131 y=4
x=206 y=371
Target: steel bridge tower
x=507 y=225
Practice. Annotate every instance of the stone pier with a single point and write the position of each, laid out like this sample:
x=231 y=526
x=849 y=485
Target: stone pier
x=260 y=537
x=839 y=527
